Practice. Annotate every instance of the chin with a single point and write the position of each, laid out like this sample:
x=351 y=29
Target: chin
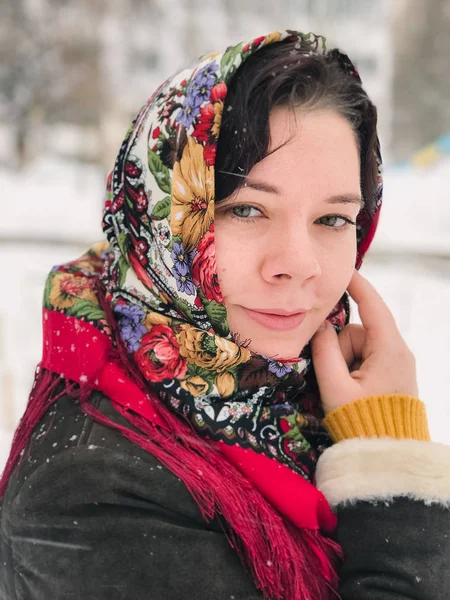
x=286 y=345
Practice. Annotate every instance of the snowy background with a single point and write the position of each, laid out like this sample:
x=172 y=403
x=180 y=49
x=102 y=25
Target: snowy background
x=55 y=153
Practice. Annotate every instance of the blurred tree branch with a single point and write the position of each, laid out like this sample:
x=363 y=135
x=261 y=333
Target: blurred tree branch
x=50 y=70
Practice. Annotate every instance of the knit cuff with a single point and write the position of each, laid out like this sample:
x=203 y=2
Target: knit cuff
x=394 y=415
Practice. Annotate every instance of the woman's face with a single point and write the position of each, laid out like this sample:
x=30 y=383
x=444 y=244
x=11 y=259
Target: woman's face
x=285 y=249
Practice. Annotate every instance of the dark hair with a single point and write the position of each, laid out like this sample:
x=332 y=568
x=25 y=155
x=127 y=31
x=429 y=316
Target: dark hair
x=294 y=74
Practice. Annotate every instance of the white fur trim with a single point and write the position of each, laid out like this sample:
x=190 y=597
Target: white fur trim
x=374 y=469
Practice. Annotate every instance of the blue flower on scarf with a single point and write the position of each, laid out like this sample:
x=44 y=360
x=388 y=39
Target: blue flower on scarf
x=181 y=259
x=201 y=83
x=183 y=279
x=188 y=113
x=130 y=325
x=279 y=369
x=197 y=92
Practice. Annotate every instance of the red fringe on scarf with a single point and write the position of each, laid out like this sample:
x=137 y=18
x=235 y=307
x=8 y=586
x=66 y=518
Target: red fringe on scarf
x=286 y=563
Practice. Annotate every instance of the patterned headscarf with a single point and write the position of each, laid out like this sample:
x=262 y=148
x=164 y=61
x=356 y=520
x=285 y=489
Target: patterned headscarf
x=162 y=280
x=146 y=306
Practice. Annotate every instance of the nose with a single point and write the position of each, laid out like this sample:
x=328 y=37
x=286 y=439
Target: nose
x=291 y=255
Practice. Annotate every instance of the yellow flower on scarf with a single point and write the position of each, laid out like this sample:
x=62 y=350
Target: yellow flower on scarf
x=192 y=209
x=225 y=384
x=218 y=109
x=154 y=318
x=209 y=351
x=210 y=56
x=301 y=421
x=67 y=288
x=195 y=385
x=99 y=247
x=272 y=37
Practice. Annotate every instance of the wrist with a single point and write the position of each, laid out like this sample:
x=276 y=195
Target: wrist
x=393 y=415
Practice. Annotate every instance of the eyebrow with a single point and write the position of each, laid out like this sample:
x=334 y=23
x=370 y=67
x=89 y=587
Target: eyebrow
x=260 y=186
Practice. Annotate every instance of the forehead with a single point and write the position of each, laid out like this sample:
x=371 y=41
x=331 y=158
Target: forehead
x=315 y=150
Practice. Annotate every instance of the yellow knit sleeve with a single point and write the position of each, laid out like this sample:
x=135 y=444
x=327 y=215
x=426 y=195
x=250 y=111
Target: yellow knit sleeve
x=393 y=415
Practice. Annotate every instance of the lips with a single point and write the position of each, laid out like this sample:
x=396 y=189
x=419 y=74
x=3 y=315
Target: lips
x=277 y=319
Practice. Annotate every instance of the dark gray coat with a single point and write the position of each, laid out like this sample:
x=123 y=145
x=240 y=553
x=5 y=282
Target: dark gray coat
x=88 y=515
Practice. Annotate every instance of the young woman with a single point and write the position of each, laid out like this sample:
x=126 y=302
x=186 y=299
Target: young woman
x=204 y=422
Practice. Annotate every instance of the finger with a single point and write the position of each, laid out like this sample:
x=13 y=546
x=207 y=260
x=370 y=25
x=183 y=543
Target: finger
x=374 y=312
x=329 y=363
x=351 y=340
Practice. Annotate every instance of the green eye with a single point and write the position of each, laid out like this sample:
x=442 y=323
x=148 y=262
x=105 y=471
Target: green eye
x=245 y=211
x=337 y=221
x=332 y=221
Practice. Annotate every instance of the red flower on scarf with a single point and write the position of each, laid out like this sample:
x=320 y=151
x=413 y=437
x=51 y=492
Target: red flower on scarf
x=204 y=132
x=208 y=123
x=204 y=268
x=159 y=355
x=209 y=154
x=218 y=92
x=202 y=129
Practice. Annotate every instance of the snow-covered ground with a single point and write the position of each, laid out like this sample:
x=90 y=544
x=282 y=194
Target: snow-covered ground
x=52 y=199
x=418 y=294
x=416 y=213
x=409 y=264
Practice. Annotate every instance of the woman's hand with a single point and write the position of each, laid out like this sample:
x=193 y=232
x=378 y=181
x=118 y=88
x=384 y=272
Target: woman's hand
x=363 y=360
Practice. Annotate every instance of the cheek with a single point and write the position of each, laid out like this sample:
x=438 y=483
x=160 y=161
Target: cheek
x=236 y=258
x=227 y=263
x=337 y=271
x=234 y=273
